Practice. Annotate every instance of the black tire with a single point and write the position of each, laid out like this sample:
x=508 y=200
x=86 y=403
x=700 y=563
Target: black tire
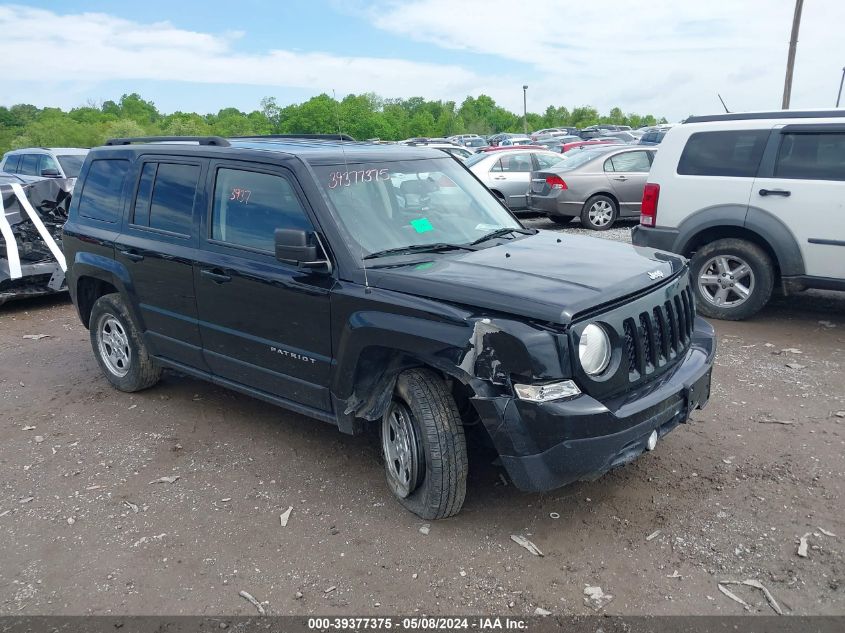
x=111 y=324
x=500 y=197
x=596 y=224
x=704 y=267
x=438 y=486
x=561 y=219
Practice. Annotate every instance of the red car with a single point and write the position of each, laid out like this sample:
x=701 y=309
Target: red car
x=576 y=144
x=499 y=148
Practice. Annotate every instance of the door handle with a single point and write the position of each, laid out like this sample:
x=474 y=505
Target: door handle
x=498 y=177
x=621 y=178
x=775 y=192
x=215 y=275
x=132 y=256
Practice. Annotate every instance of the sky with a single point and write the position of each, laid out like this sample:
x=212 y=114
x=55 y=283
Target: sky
x=663 y=57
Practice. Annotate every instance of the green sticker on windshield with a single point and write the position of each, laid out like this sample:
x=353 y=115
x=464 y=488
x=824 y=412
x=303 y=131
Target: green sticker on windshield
x=422 y=225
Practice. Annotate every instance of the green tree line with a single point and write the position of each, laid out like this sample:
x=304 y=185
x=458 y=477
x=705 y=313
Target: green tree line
x=361 y=116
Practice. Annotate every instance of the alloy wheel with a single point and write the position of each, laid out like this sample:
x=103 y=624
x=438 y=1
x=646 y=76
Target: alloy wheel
x=726 y=281
x=600 y=213
x=113 y=343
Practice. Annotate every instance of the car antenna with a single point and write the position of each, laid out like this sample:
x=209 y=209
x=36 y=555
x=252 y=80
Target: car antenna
x=723 y=103
x=346 y=167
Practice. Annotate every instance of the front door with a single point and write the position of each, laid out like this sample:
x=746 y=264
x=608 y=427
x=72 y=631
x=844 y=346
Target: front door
x=264 y=324
x=627 y=173
x=804 y=187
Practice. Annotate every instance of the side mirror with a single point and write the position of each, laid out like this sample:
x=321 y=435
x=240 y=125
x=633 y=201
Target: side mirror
x=50 y=173
x=300 y=247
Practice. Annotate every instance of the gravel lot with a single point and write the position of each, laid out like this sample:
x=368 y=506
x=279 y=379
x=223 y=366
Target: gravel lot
x=728 y=497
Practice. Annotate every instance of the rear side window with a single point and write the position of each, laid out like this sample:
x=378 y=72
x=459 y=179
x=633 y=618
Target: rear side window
x=11 y=164
x=629 y=161
x=734 y=153
x=811 y=157
x=102 y=189
x=249 y=206
x=29 y=165
x=165 y=199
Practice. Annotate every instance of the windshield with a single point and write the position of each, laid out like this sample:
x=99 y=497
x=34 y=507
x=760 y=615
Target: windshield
x=395 y=204
x=71 y=164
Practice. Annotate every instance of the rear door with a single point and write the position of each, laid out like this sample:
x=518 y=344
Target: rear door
x=158 y=246
x=627 y=173
x=802 y=183
x=511 y=176
x=265 y=324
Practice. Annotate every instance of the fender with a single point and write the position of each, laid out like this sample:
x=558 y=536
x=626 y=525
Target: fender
x=767 y=226
x=86 y=264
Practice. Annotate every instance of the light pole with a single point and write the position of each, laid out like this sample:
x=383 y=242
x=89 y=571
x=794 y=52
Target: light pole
x=525 y=109
x=790 y=58
x=841 y=81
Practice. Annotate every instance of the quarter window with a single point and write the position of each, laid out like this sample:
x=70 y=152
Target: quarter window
x=730 y=153
x=811 y=157
x=102 y=190
x=11 y=164
x=165 y=198
x=249 y=206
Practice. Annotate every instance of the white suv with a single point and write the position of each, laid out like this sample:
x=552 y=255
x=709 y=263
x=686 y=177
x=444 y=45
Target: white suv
x=755 y=199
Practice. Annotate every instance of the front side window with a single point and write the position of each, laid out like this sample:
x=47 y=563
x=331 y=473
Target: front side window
x=734 y=153
x=811 y=157
x=29 y=165
x=102 y=190
x=249 y=207
x=71 y=164
x=165 y=199
x=47 y=162
x=394 y=204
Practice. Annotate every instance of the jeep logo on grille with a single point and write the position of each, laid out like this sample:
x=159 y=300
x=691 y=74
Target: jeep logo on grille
x=655 y=274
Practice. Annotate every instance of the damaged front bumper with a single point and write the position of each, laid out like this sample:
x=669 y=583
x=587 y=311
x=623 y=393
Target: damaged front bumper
x=548 y=445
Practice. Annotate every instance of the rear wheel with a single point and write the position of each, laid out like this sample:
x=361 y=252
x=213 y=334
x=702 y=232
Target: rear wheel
x=599 y=213
x=118 y=346
x=424 y=446
x=733 y=279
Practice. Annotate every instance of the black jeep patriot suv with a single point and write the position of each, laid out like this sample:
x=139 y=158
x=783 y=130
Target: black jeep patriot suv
x=359 y=283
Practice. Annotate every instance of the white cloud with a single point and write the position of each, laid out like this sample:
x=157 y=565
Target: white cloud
x=39 y=45
x=662 y=56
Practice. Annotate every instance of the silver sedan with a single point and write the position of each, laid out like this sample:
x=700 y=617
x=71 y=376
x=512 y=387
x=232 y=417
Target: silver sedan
x=507 y=172
x=600 y=184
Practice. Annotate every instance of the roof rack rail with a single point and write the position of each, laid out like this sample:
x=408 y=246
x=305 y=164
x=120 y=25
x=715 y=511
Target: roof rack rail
x=775 y=114
x=200 y=140
x=325 y=137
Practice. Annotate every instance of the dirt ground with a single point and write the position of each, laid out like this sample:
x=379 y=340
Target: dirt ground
x=727 y=497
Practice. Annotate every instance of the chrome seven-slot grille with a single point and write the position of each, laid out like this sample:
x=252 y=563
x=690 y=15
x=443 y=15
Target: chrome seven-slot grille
x=659 y=336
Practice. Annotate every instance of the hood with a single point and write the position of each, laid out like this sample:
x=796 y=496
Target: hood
x=549 y=276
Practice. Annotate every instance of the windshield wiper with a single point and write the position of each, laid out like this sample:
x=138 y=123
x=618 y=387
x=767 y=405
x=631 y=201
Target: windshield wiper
x=418 y=248
x=501 y=232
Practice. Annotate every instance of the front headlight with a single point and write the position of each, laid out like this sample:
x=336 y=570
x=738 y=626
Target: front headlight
x=594 y=349
x=544 y=393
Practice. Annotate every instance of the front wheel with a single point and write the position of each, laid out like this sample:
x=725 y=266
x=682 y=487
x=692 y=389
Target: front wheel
x=599 y=213
x=733 y=279
x=424 y=447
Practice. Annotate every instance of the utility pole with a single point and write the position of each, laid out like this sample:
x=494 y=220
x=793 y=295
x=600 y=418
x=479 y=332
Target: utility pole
x=525 y=109
x=841 y=81
x=790 y=59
